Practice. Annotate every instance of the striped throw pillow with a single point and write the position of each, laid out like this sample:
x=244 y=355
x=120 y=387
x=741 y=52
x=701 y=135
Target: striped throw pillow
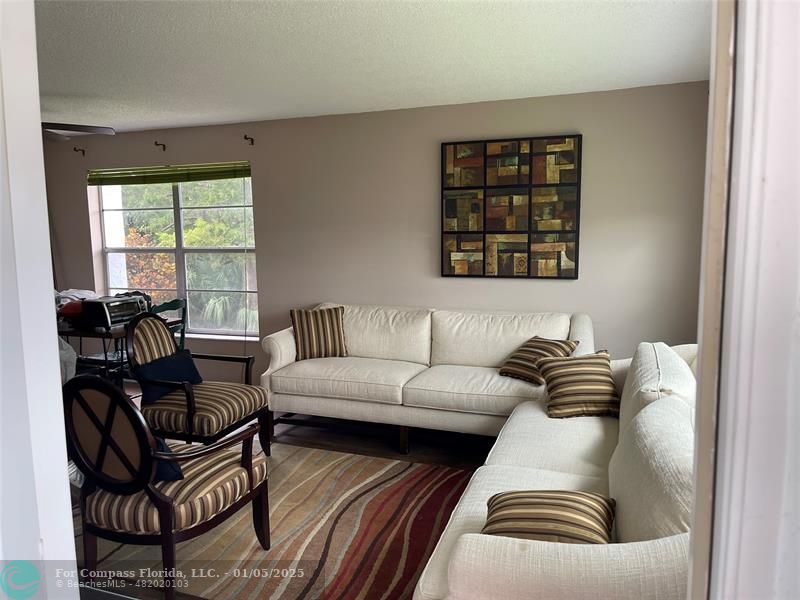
x=580 y=386
x=551 y=516
x=319 y=333
x=522 y=364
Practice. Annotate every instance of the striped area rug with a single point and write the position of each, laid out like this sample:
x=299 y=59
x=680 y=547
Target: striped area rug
x=343 y=526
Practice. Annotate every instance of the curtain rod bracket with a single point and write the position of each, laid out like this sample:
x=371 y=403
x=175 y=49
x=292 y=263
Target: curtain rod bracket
x=249 y=140
x=162 y=146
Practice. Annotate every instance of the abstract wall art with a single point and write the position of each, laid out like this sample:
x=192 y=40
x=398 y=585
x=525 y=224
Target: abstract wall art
x=511 y=208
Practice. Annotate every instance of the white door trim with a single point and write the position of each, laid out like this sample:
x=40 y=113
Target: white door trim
x=756 y=532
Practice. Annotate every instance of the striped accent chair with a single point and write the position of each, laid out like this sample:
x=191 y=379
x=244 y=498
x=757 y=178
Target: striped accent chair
x=111 y=444
x=202 y=412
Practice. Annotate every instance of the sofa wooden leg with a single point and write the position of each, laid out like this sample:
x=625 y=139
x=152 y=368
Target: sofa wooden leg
x=261 y=517
x=266 y=431
x=404 y=447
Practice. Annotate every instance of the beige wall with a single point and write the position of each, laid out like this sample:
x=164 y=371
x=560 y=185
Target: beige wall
x=347 y=207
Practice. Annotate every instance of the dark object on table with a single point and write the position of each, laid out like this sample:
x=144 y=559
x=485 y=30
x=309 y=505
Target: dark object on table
x=111 y=444
x=110 y=310
x=175 y=367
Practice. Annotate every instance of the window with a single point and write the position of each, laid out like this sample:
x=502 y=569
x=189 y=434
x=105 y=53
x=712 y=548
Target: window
x=190 y=239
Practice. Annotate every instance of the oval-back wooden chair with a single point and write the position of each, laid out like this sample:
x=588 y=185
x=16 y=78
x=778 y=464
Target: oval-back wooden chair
x=111 y=444
x=202 y=412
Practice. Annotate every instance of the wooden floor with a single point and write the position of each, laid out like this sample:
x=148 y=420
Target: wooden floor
x=375 y=439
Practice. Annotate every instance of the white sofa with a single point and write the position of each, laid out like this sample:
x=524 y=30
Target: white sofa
x=644 y=461
x=419 y=367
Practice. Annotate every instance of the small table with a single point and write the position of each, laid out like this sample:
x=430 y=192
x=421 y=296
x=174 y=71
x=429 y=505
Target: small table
x=113 y=361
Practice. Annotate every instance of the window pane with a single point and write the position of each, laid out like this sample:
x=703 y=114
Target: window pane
x=151 y=195
x=219 y=192
x=229 y=312
x=139 y=228
x=218 y=227
x=141 y=270
x=221 y=271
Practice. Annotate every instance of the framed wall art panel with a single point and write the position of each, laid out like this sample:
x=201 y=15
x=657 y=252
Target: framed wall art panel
x=511 y=207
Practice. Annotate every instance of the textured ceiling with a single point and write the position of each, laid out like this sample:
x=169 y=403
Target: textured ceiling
x=141 y=65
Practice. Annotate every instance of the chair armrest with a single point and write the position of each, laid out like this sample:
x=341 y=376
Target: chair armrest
x=164 y=383
x=188 y=392
x=582 y=330
x=246 y=360
x=489 y=567
x=246 y=433
x=281 y=351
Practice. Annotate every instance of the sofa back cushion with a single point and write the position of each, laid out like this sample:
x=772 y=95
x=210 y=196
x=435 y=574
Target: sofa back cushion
x=483 y=339
x=386 y=332
x=651 y=472
x=656 y=371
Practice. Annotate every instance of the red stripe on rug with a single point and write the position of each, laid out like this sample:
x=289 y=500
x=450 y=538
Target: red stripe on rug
x=376 y=567
x=380 y=507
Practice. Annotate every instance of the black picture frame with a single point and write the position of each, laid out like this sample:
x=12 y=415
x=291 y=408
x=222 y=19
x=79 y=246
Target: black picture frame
x=482 y=187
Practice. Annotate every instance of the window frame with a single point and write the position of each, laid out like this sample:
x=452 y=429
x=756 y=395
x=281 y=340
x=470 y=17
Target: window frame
x=179 y=251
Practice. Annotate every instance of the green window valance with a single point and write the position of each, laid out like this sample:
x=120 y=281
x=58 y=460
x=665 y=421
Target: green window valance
x=169 y=174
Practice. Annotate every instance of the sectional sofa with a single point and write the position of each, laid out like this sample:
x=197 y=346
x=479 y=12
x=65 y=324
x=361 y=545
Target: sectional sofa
x=436 y=369
x=644 y=460
x=439 y=369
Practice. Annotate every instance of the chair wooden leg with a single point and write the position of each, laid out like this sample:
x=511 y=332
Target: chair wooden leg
x=89 y=551
x=404 y=447
x=266 y=431
x=168 y=558
x=261 y=517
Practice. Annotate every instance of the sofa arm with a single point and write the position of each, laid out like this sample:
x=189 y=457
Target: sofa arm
x=619 y=371
x=490 y=567
x=281 y=351
x=582 y=330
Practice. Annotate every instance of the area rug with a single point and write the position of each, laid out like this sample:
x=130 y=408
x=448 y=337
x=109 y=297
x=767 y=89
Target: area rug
x=343 y=526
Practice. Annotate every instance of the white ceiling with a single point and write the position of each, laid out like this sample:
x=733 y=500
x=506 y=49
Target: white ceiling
x=147 y=64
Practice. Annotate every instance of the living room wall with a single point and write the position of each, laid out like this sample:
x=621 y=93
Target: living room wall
x=347 y=207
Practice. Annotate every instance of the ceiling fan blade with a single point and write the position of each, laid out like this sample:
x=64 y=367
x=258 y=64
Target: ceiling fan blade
x=55 y=127
x=56 y=137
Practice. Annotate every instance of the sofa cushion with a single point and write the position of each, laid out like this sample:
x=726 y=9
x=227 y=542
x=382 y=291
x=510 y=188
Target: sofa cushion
x=532 y=439
x=484 y=339
x=656 y=371
x=568 y=517
x=350 y=378
x=651 y=472
x=580 y=386
x=470 y=513
x=468 y=389
x=318 y=333
x=523 y=363
x=387 y=332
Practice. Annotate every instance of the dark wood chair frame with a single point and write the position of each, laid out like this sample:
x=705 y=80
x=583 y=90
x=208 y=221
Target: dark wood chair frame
x=141 y=478
x=179 y=328
x=264 y=416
